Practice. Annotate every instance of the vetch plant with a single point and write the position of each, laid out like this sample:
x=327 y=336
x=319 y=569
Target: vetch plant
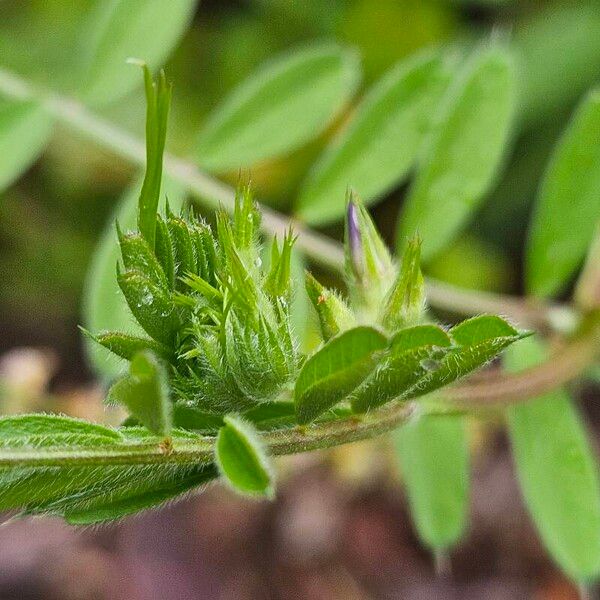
x=206 y=318
x=217 y=385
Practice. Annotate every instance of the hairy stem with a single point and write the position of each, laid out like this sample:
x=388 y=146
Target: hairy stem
x=501 y=391
x=211 y=193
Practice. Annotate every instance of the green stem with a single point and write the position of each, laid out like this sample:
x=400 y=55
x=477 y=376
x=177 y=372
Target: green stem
x=211 y=193
x=503 y=390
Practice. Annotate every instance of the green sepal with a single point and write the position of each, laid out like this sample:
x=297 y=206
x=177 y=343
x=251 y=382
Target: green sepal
x=278 y=281
x=206 y=253
x=405 y=302
x=257 y=360
x=183 y=248
x=330 y=374
x=137 y=256
x=126 y=346
x=164 y=251
x=242 y=459
x=209 y=384
x=145 y=393
x=334 y=314
x=368 y=262
x=246 y=219
x=151 y=305
x=413 y=352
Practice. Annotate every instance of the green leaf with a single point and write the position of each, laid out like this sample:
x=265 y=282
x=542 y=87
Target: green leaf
x=127 y=346
x=405 y=303
x=280 y=107
x=121 y=29
x=380 y=144
x=557 y=471
x=330 y=374
x=152 y=306
x=158 y=102
x=479 y=340
x=25 y=129
x=24 y=426
x=137 y=256
x=145 y=393
x=85 y=472
x=190 y=418
x=368 y=264
x=413 y=353
x=271 y=415
x=107 y=507
x=464 y=152
x=552 y=80
x=104 y=306
x=568 y=205
x=434 y=456
x=241 y=458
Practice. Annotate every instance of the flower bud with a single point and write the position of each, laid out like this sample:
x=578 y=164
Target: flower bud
x=334 y=315
x=368 y=261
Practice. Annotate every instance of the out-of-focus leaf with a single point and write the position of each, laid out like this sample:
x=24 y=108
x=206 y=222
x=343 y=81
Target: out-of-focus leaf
x=464 y=151
x=104 y=306
x=557 y=471
x=78 y=489
x=335 y=370
x=379 y=146
x=122 y=29
x=242 y=459
x=478 y=340
x=145 y=393
x=413 y=352
x=281 y=106
x=553 y=78
x=434 y=457
x=24 y=131
x=568 y=205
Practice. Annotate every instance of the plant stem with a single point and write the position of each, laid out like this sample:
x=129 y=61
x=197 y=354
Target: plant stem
x=211 y=193
x=503 y=390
